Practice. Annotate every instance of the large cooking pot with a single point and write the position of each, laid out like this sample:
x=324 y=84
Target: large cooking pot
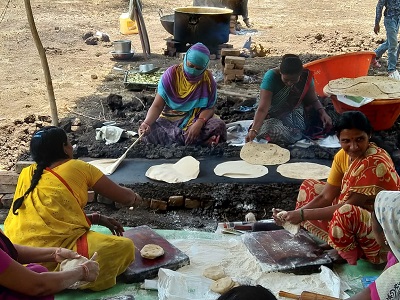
x=235 y=5
x=208 y=25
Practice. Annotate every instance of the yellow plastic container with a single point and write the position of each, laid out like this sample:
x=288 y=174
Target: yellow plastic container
x=127 y=26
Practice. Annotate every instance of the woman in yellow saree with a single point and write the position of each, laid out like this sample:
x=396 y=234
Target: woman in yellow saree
x=339 y=210
x=47 y=210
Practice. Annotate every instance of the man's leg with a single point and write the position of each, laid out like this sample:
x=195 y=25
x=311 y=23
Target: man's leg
x=392 y=29
x=245 y=13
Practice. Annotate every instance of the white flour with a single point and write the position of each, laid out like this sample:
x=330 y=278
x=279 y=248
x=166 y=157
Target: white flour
x=242 y=266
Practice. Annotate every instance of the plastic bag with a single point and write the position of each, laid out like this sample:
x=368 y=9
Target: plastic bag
x=177 y=286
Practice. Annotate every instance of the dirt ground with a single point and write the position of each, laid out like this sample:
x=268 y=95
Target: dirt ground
x=84 y=76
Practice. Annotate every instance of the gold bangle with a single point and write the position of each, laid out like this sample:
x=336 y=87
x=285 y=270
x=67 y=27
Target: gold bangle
x=251 y=129
x=85 y=272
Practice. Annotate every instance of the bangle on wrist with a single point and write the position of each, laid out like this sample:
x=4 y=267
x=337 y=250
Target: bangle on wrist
x=252 y=129
x=203 y=119
x=320 y=108
x=55 y=253
x=302 y=214
x=85 y=272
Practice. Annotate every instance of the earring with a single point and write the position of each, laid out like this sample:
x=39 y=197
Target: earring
x=386 y=242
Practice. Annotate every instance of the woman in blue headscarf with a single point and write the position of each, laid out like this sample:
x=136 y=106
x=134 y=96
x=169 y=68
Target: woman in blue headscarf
x=183 y=109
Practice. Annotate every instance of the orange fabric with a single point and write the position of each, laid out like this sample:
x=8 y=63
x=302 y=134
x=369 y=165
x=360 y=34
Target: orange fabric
x=350 y=229
x=82 y=246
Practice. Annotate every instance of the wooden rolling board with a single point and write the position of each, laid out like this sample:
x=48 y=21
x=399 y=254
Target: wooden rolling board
x=143 y=268
x=279 y=250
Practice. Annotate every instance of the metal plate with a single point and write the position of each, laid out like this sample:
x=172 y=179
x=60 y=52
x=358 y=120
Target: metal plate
x=132 y=84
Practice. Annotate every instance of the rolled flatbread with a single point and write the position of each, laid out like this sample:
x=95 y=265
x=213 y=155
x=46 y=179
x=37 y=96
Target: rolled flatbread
x=240 y=169
x=187 y=168
x=304 y=170
x=264 y=154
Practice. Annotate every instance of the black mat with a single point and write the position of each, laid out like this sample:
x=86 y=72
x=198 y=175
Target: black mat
x=133 y=171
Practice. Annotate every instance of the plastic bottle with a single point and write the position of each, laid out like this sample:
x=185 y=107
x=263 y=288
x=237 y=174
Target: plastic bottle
x=127 y=26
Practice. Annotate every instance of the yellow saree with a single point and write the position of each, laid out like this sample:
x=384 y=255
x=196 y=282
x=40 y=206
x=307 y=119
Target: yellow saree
x=52 y=216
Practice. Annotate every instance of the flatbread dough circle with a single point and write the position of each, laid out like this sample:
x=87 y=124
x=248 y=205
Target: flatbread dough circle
x=304 y=170
x=240 y=169
x=187 y=168
x=292 y=228
x=264 y=154
x=214 y=273
x=151 y=251
x=222 y=285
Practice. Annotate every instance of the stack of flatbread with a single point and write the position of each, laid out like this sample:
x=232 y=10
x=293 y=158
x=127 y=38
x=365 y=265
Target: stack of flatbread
x=376 y=87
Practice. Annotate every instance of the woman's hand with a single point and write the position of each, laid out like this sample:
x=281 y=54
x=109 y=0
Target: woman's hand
x=251 y=135
x=144 y=128
x=294 y=216
x=326 y=121
x=112 y=224
x=278 y=220
x=91 y=270
x=193 y=132
x=61 y=254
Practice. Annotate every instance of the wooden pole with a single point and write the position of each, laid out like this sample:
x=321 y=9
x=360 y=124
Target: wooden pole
x=45 y=65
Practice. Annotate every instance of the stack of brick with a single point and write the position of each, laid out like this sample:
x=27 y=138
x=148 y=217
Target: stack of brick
x=232 y=24
x=233 y=65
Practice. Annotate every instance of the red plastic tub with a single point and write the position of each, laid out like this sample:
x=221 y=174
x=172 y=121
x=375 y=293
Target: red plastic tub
x=349 y=65
x=382 y=113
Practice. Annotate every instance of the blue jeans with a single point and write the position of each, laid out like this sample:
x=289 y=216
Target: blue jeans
x=392 y=30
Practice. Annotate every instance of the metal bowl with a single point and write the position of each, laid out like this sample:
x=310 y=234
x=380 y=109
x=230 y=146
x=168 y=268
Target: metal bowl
x=122 y=56
x=167 y=22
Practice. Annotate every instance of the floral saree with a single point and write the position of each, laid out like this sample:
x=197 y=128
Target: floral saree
x=349 y=231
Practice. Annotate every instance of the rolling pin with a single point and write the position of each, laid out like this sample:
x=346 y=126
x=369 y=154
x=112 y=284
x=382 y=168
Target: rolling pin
x=306 y=296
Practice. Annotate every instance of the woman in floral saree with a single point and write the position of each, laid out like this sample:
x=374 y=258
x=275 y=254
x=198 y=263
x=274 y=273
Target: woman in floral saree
x=339 y=210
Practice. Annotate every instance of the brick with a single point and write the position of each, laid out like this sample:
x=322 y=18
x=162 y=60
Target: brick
x=104 y=200
x=22 y=164
x=192 y=203
x=7 y=188
x=236 y=72
x=176 y=201
x=237 y=60
x=221 y=46
x=230 y=52
x=8 y=177
x=92 y=196
x=158 y=204
x=7 y=200
x=229 y=66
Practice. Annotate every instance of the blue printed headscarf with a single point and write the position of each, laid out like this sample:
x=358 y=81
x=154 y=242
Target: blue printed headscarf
x=198 y=55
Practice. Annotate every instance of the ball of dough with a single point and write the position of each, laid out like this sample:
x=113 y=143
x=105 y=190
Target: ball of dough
x=72 y=263
x=214 y=273
x=222 y=285
x=292 y=228
x=151 y=251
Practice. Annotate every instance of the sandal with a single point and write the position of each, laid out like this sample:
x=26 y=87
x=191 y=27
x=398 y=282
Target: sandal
x=375 y=64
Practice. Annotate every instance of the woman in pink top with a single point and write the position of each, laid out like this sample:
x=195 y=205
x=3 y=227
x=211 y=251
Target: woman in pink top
x=20 y=282
x=386 y=227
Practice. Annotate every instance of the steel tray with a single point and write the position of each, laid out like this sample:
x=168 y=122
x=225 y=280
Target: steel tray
x=135 y=85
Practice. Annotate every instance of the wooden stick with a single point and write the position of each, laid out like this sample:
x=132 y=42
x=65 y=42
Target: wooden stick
x=229 y=93
x=288 y=295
